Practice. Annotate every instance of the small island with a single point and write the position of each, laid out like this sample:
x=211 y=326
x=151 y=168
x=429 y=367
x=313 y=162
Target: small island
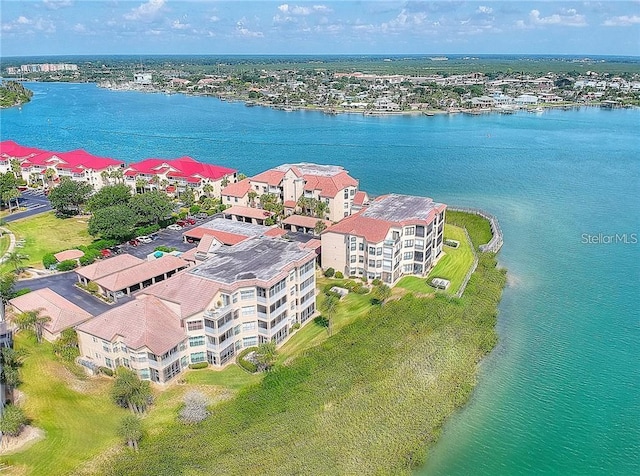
x=12 y=93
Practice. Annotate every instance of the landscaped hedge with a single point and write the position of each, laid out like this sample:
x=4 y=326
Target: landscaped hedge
x=244 y=363
x=199 y=365
x=146 y=230
x=67 y=265
x=49 y=261
x=330 y=272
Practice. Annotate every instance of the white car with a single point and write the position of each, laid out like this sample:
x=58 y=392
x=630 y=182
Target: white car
x=174 y=227
x=144 y=239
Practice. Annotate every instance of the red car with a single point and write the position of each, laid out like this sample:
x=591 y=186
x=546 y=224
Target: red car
x=105 y=253
x=181 y=223
x=190 y=221
x=134 y=242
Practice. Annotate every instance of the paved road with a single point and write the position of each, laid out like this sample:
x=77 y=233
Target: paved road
x=35 y=202
x=63 y=284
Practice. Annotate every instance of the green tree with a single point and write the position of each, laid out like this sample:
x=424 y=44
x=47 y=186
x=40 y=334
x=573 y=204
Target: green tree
x=140 y=185
x=188 y=197
x=13 y=420
x=7 y=282
x=252 y=194
x=321 y=209
x=380 y=293
x=151 y=207
x=11 y=195
x=130 y=430
x=320 y=227
x=207 y=189
x=68 y=197
x=266 y=355
x=32 y=320
x=15 y=168
x=329 y=308
x=49 y=174
x=66 y=346
x=16 y=259
x=111 y=195
x=114 y=223
x=10 y=363
x=130 y=392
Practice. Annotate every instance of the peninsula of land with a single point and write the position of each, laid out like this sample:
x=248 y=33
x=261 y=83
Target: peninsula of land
x=13 y=93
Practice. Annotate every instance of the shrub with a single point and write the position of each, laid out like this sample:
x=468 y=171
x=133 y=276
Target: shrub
x=21 y=292
x=364 y=279
x=92 y=287
x=195 y=408
x=102 y=244
x=106 y=371
x=376 y=282
x=165 y=249
x=296 y=326
x=193 y=209
x=339 y=275
x=321 y=321
x=329 y=273
x=247 y=364
x=146 y=230
x=67 y=265
x=13 y=420
x=199 y=365
x=49 y=261
x=90 y=255
x=66 y=346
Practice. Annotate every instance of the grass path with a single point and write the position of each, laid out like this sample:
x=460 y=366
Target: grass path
x=79 y=424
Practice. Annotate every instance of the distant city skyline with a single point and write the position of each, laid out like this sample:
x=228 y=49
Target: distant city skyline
x=105 y=27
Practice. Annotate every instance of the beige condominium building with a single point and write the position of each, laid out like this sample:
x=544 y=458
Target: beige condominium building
x=395 y=235
x=242 y=296
x=329 y=184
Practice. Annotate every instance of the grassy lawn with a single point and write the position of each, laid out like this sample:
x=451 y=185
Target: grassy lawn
x=453 y=266
x=79 y=424
x=4 y=244
x=45 y=233
x=350 y=307
x=478 y=228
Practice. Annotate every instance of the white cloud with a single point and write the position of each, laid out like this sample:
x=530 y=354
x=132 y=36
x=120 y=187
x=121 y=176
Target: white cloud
x=56 y=4
x=178 y=25
x=146 y=11
x=568 y=18
x=624 y=20
x=405 y=20
x=485 y=10
x=242 y=30
x=79 y=28
x=23 y=21
x=214 y=19
x=303 y=11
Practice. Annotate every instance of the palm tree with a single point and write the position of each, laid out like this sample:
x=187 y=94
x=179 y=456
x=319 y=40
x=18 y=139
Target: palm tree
x=11 y=194
x=33 y=321
x=49 y=174
x=207 y=189
x=321 y=209
x=10 y=362
x=16 y=258
x=252 y=194
x=140 y=184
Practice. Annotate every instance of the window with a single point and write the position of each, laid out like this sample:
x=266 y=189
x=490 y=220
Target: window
x=144 y=374
x=248 y=311
x=278 y=287
x=108 y=362
x=194 y=325
x=408 y=255
x=248 y=326
x=346 y=204
x=247 y=294
x=372 y=263
x=196 y=341
x=171 y=370
x=209 y=324
x=262 y=292
x=420 y=243
x=262 y=324
x=408 y=243
x=212 y=358
x=250 y=341
x=372 y=250
x=346 y=193
x=352 y=192
x=353 y=258
x=198 y=357
x=378 y=251
x=227 y=354
x=361 y=246
x=410 y=230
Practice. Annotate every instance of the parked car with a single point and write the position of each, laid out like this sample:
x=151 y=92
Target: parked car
x=105 y=253
x=181 y=223
x=201 y=215
x=175 y=226
x=144 y=239
x=134 y=242
x=153 y=236
x=190 y=221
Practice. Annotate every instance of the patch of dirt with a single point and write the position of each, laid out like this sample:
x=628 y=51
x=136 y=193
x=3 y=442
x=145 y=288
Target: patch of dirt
x=29 y=436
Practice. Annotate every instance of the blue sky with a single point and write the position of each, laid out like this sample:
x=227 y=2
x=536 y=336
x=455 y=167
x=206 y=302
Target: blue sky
x=70 y=27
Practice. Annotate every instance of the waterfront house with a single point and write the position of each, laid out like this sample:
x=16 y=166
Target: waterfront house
x=242 y=296
x=395 y=235
x=47 y=168
x=175 y=176
x=288 y=183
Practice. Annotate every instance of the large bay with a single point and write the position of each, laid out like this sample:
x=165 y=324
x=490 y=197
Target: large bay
x=561 y=392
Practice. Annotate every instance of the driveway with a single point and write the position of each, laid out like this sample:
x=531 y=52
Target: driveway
x=35 y=203
x=172 y=238
x=63 y=284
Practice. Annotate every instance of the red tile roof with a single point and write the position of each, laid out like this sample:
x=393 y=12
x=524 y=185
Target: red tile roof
x=271 y=177
x=249 y=212
x=238 y=189
x=275 y=232
x=65 y=160
x=69 y=254
x=183 y=167
x=187 y=293
x=329 y=187
x=359 y=197
x=105 y=267
x=142 y=272
x=371 y=229
x=13 y=150
x=144 y=322
x=63 y=313
x=224 y=237
x=305 y=221
x=290 y=204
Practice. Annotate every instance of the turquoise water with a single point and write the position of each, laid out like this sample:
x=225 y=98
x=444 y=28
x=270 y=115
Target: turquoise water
x=561 y=392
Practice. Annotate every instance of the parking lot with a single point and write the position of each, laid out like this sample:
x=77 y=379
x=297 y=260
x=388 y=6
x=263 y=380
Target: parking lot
x=34 y=201
x=164 y=237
